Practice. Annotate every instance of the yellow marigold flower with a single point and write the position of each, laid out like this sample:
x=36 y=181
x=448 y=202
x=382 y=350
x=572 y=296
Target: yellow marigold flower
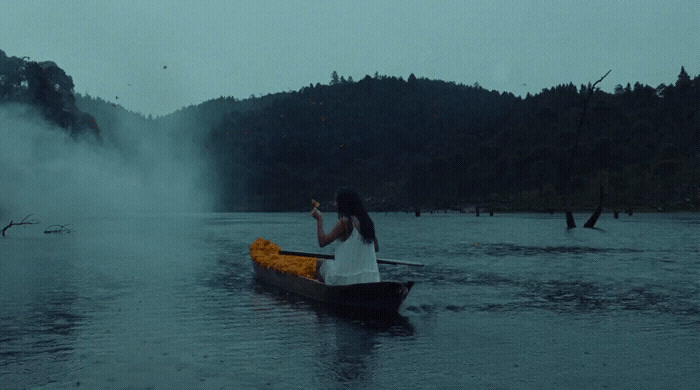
x=266 y=253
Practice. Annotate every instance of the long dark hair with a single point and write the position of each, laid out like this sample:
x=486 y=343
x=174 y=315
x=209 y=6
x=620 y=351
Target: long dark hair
x=350 y=204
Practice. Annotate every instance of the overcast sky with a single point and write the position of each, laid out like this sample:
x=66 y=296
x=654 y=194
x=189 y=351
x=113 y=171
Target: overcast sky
x=238 y=48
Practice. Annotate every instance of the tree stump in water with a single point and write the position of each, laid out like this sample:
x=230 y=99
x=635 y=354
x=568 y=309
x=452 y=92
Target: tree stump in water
x=596 y=214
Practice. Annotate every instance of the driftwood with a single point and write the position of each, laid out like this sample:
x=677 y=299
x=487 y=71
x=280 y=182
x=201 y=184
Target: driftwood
x=22 y=222
x=57 y=229
x=570 y=223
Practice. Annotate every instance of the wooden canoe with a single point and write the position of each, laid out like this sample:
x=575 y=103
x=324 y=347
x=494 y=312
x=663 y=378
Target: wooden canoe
x=364 y=297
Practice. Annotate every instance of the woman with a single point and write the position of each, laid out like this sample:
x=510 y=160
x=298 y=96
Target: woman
x=355 y=258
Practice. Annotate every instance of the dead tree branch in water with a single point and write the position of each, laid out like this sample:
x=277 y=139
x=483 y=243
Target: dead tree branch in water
x=22 y=222
x=570 y=223
x=596 y=214
x=57 y=229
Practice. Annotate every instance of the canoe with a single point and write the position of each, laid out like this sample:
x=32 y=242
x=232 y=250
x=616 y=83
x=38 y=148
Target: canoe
x=376 y=297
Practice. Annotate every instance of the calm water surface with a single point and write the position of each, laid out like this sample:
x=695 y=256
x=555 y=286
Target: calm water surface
x=504 y=302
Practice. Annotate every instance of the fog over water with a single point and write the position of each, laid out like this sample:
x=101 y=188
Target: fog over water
x=46 y=172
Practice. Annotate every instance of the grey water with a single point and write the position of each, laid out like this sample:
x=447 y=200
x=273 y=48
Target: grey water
x=513 y=301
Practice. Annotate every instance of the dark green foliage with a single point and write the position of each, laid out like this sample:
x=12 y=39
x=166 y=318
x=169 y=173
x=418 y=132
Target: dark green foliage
x=47 y=87
x=419 y=143
x=435 y=144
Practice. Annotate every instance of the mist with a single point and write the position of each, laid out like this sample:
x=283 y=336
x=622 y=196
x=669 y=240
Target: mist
x=135 y=168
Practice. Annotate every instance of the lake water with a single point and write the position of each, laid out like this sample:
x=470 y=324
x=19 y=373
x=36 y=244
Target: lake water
x=505 y=302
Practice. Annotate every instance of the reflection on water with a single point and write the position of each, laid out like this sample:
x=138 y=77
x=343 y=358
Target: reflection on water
x=40 y=314
x=344 y=344
x=511 y=301
x=390 y=323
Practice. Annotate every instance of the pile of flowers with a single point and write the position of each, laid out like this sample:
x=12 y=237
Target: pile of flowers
x=267 y=254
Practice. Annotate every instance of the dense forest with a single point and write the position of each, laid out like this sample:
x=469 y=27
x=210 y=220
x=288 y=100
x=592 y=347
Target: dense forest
x=46 y=86
x=418 y=143
x=436 y=145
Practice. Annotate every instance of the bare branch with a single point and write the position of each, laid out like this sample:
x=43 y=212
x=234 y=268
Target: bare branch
x=569 y=167
x=601 y=79
x=22 y=222
x=57 y=229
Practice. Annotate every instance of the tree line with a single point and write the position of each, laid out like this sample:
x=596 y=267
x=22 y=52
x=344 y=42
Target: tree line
x=431 y=144
x=417 y=142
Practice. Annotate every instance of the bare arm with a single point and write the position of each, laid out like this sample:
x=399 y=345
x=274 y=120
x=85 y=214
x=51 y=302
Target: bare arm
x=338 y=231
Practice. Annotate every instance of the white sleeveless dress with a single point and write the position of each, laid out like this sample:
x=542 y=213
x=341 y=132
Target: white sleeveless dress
x=355 y=262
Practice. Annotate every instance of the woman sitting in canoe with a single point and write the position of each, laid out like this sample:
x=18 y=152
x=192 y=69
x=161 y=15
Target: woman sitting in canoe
x=355 y=259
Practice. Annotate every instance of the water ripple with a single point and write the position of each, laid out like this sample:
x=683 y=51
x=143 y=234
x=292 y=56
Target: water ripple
x=161 y=311
x=527 y=250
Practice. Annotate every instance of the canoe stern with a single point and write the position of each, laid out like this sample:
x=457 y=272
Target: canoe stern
x=380 y=296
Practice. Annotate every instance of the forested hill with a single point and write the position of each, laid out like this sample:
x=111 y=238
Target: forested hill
x=48 y=88
x=435 y=144
x=411 y=143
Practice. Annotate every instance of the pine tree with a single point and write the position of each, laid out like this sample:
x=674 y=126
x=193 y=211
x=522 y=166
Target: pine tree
x=334 y=78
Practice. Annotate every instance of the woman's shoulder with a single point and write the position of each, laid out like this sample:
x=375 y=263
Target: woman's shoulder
x=352 y=220
x=347 y=224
